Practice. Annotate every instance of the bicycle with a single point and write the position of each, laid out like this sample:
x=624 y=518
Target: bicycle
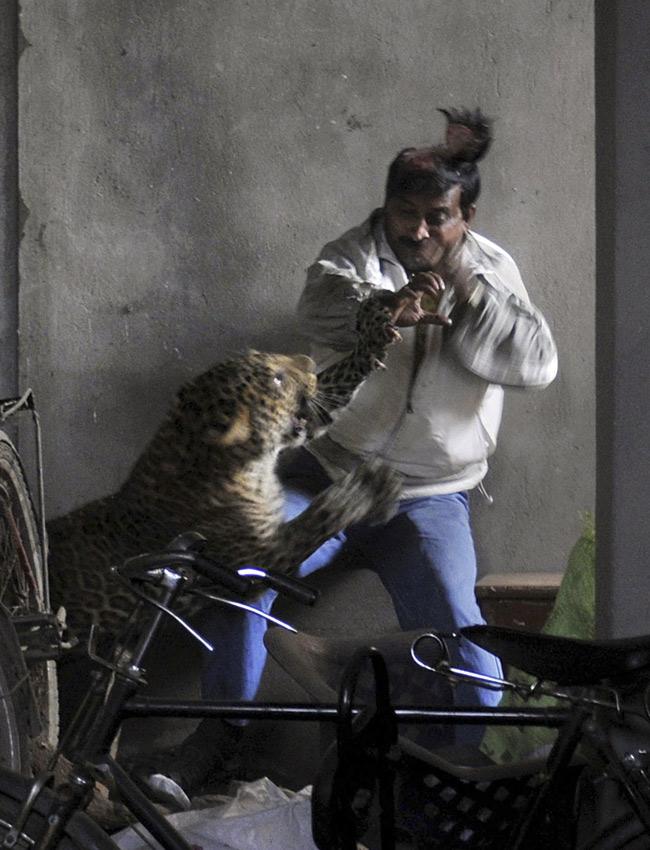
x=34 y=815
x=29 y=632
x=591 y=791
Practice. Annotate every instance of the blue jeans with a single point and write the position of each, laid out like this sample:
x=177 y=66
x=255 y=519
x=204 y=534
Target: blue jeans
x=424 y=557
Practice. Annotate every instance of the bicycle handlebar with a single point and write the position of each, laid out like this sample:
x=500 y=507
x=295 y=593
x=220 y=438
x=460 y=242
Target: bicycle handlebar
x=140 y=565
x=239 y=582
x=295 y=588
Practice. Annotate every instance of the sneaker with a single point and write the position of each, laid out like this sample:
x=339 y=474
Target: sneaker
x=163 y=790
x=208 y=754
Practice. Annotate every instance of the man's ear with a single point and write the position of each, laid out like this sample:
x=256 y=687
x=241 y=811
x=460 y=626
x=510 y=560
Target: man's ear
x=469 y=216
x=237 y=431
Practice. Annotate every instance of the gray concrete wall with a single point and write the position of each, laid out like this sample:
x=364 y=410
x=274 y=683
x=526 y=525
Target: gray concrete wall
x=183 y=162
x=8 y=199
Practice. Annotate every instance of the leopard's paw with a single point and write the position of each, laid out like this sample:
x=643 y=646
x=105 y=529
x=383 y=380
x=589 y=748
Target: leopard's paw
x=380 y=487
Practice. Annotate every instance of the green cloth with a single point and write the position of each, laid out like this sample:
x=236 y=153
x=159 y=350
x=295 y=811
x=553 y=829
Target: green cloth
x=573 y=615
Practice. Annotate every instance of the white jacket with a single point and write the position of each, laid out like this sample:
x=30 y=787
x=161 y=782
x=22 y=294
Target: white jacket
x=437 y=426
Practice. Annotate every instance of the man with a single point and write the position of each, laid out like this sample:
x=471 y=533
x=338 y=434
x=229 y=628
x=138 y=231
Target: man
x=433 y=413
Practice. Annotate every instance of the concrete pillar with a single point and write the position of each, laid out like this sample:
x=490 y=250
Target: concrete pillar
x=8 y=198
x=623 y=317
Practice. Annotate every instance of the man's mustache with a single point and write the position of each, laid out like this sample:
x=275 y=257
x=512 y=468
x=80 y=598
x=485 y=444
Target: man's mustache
x=414 y=243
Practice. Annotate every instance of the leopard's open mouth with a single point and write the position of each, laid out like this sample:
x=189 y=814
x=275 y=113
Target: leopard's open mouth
x=299 y=425
x=317 y=423
x=309 y=419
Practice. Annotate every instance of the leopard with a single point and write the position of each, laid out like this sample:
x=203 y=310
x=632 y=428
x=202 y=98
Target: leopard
x=211 y=468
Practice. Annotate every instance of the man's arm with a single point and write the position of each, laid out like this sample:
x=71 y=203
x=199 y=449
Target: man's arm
x=329 y=304
x=503 y=339
x=496 y=332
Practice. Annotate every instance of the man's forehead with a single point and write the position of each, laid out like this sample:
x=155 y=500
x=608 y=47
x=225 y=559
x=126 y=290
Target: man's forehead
x=431 y=201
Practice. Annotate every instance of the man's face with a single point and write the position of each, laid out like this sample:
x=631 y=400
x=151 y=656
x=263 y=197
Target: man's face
x=421 y=228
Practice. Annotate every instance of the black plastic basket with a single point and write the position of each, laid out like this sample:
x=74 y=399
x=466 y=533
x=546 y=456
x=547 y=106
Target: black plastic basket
x=438 y=810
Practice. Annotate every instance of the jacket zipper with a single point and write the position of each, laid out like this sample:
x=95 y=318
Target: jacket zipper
x=418 y=353
x=418 y=356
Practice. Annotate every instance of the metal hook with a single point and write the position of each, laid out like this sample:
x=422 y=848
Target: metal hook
x=444 y=659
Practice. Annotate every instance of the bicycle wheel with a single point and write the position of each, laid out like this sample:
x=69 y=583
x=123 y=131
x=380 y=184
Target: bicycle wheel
x=82 y=833
x=21 y=593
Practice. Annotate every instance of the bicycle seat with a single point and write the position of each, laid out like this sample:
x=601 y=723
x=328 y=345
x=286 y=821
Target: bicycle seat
x=567 y=661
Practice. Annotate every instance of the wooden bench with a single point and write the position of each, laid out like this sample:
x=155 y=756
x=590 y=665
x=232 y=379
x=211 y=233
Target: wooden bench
x=517 y=599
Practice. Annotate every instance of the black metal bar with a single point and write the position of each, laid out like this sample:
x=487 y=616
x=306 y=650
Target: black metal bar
x=74 y=797
x=144 y=810
x=596 y=736
x=99 y=736
x=558 y=760
x=85 y=715
x=374 y=731
x=139 y=707
x=348 y=687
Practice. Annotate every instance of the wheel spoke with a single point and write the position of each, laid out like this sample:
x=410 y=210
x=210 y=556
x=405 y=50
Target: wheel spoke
x=21 y=594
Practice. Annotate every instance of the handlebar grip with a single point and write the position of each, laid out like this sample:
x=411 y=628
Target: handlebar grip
x=221 y=575
x=292 y=587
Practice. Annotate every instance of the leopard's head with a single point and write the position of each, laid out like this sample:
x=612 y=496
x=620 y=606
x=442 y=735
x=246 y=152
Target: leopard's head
x=247 y=407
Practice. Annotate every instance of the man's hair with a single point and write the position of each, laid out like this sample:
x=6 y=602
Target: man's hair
x=435 y=169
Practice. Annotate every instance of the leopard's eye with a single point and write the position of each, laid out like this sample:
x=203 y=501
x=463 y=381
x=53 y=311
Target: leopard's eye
x=278 y=378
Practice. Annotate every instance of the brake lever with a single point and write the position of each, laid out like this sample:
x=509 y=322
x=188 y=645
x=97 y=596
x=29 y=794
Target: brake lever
x=242 y=606
x=149 y=600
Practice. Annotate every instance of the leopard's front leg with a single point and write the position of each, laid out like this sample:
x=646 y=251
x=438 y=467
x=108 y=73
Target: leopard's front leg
x=375 y=332
x=368 y=492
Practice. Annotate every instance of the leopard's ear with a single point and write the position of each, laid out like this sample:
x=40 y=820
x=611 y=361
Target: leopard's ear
x=237 y=431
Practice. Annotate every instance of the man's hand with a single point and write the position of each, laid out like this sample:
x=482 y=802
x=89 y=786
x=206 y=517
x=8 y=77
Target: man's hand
x=417 y=301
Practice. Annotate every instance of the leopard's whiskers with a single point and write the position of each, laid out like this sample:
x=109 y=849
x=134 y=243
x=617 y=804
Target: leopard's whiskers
x=318 y=410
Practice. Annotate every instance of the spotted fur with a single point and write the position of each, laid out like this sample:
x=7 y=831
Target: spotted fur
x=211 y=468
